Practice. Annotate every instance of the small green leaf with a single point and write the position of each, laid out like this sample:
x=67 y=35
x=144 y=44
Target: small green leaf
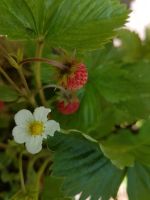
x=84 y=168
x=7 y=94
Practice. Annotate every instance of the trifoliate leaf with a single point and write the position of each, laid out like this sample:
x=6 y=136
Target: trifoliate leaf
x=84 y=168
x=83 y=25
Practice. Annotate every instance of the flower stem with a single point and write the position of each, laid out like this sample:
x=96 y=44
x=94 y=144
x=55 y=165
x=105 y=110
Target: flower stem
x=37 y=72
x=13 y=84
x=40 y=173
x=10 y=81
x=36 y=157
x=21 y=174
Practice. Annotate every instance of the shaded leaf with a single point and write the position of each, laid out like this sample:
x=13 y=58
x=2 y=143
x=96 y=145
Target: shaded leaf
x=84 y=168
x=138 y=182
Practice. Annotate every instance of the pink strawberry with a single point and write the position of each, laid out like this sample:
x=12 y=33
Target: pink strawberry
x=74 y=77
x=68 y=108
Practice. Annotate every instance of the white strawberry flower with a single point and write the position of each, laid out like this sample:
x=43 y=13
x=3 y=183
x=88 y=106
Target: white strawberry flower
x=31 y=129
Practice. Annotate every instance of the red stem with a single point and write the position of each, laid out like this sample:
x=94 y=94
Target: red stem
x=45 y=60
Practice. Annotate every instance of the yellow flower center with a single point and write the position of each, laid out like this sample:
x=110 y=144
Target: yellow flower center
x=36 y=128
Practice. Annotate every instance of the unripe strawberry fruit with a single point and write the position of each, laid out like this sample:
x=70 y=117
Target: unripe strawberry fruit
x=75 y=77
x=68 y=108
x=1 y=105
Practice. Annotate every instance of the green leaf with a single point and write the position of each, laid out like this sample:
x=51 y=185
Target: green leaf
x=52 y=189
x=116 y=84
x=82 y=28
x=138 y=182
x=7 y=94
x=125 y=147
x=83 y=25
x=84 y=168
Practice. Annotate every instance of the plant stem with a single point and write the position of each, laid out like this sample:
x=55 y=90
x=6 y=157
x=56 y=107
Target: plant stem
x=21 y=174
x=20 y=71
x=44 y=60
x=10 y=81
x=37 y=71
x=29 y=95
x=36 y=157
x=40 y=173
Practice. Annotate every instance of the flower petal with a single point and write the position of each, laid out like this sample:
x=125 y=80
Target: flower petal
x=40 y=114
x=23 y=117
x=50 y=127
x=20 y=134
x=34 y=144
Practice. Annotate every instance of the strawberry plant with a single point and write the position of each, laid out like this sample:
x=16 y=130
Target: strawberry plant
x=74 y=108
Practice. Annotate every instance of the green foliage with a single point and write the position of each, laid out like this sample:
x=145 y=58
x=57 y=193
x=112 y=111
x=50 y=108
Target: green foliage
x=80 y=28
x=126 y=147
x=139 y=183
x=84 y=167
x=7 y=94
